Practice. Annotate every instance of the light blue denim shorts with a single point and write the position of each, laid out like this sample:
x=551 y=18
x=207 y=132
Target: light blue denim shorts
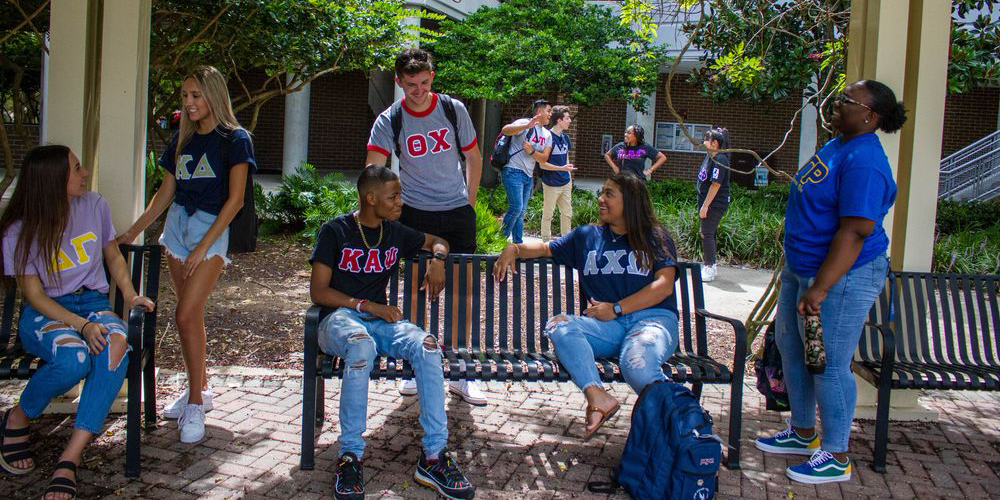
x=183 y=232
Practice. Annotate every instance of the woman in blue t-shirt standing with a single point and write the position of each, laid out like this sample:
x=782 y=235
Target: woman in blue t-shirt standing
x=207 y=164
x=835 y=267
x=627 y=268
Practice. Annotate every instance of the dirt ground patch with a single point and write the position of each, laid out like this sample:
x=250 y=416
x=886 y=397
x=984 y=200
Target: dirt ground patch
x=255 y=314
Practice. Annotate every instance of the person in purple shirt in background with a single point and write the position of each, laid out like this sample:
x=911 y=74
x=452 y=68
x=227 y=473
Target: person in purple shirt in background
x=631 y=154
x=57 y=240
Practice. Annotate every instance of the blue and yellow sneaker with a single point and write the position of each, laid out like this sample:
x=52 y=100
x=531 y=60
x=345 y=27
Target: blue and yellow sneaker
x=822 y=467
x=788 y=442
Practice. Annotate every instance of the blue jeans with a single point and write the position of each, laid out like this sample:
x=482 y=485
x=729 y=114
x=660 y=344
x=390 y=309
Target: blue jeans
x=518 y=186
x=358 y=339
x=843 y=315
x=68 y=359
x=642 y=341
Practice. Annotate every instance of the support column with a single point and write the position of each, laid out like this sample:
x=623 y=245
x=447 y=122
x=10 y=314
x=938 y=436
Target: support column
x=924 y=95
x=808 y=132
x=905 y=45
x=120 y=174
x=70 y=111
x=296 y=142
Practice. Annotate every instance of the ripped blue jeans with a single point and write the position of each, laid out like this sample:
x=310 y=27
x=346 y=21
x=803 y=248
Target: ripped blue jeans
x=68 y=359
x=358 y=339
x=642 y=341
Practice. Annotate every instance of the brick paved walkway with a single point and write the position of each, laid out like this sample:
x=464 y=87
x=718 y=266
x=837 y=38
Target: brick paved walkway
x=523 y=445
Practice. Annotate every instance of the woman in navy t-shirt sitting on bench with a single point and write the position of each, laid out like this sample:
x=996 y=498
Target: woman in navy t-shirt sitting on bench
x=627 y=268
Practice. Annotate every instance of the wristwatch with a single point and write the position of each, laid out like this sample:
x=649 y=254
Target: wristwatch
x=618 y=309
x=441 y=256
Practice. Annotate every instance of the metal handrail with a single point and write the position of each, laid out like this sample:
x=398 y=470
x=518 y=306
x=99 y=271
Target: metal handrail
x=973 y=172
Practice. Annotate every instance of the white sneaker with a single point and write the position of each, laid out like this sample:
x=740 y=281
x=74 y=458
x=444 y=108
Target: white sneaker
x=192 y=424
x=408 y=386
x=708 y=272
x=177 y=407
x=468 y=390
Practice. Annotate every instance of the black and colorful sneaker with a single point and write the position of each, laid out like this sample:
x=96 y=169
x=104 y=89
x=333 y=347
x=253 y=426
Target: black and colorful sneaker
x=822 y=467
x=788 y=442
x=444 y=475
x=349 y=481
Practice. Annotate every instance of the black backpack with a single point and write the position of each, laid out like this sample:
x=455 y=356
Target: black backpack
x=447 y=104
x=243 y=228
x=501 y=150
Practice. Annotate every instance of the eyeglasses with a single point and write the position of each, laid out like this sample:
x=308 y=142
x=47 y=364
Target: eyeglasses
x=841 y=99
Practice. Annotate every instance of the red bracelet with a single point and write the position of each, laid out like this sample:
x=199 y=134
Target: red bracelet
x=360 y=303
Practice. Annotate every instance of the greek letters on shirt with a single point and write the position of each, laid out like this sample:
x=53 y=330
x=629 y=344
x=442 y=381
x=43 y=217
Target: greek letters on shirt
x=63 y=261
x=417 y=144
x=203 y=170
x=813 y=172
x=610 y=262
x=354 y=260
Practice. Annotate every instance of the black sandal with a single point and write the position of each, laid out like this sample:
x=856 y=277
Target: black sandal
x=13 y=452
x=62 y=484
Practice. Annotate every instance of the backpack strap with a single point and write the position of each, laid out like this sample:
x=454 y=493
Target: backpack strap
x=396 y=122
x=448 y=106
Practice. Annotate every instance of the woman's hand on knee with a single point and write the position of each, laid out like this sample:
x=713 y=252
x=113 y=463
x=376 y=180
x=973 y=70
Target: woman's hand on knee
x=94 y=334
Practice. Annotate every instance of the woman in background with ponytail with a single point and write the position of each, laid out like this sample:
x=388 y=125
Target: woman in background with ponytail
x=835 y=267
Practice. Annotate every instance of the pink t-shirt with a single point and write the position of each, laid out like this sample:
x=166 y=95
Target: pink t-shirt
x=80 y=262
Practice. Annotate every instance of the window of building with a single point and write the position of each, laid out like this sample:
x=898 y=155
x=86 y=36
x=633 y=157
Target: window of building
x=670 y=136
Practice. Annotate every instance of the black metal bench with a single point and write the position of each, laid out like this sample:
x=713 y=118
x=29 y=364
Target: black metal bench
x=144 y=263
x=930 y=331
x=506 y=341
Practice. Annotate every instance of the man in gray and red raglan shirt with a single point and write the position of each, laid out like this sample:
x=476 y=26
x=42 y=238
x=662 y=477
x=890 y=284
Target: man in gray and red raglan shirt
x=438 y=198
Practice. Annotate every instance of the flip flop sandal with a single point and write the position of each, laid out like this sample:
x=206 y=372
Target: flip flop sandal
x=62 y=484
x=604 y=418
x=13 y=452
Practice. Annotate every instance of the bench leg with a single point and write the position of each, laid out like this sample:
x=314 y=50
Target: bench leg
x=149 y=387
x=735 y=417
x=133 y=417
x=320 y=401
x=307 y=461
x=696 y=389
x=881 y=429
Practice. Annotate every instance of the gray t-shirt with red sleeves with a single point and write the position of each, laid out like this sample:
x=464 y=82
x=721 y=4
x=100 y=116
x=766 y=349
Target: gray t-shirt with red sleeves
x=80 y=262
x=430 y=169
x=540 y=138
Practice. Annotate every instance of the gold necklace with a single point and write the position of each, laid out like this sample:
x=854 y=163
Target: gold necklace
x=357 y=218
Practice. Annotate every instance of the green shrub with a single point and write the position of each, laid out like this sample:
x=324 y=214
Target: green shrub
x=488 y=237
x=968 y=252
x=958 y=216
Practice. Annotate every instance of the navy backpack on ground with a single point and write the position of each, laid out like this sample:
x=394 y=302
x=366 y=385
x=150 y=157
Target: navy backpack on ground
x=671 y=452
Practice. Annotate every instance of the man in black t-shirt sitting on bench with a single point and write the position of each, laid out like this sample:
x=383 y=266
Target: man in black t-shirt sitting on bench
x=355 y=257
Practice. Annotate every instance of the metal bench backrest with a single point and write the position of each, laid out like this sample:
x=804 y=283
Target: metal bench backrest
x=511 y=315
x=939 y=318
x=144 y=280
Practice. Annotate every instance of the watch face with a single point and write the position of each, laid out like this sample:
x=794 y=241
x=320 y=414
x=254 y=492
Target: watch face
x=618 y=309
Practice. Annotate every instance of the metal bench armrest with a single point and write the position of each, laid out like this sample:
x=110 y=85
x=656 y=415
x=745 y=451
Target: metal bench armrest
x=739 y=329
x=888 y=361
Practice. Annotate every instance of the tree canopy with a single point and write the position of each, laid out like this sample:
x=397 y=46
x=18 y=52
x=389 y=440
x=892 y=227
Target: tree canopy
x=296 y=38
x=769 y=50
x=570 y=48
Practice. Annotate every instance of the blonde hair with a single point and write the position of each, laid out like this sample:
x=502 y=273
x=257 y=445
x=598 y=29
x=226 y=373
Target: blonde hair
x=213 y=89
